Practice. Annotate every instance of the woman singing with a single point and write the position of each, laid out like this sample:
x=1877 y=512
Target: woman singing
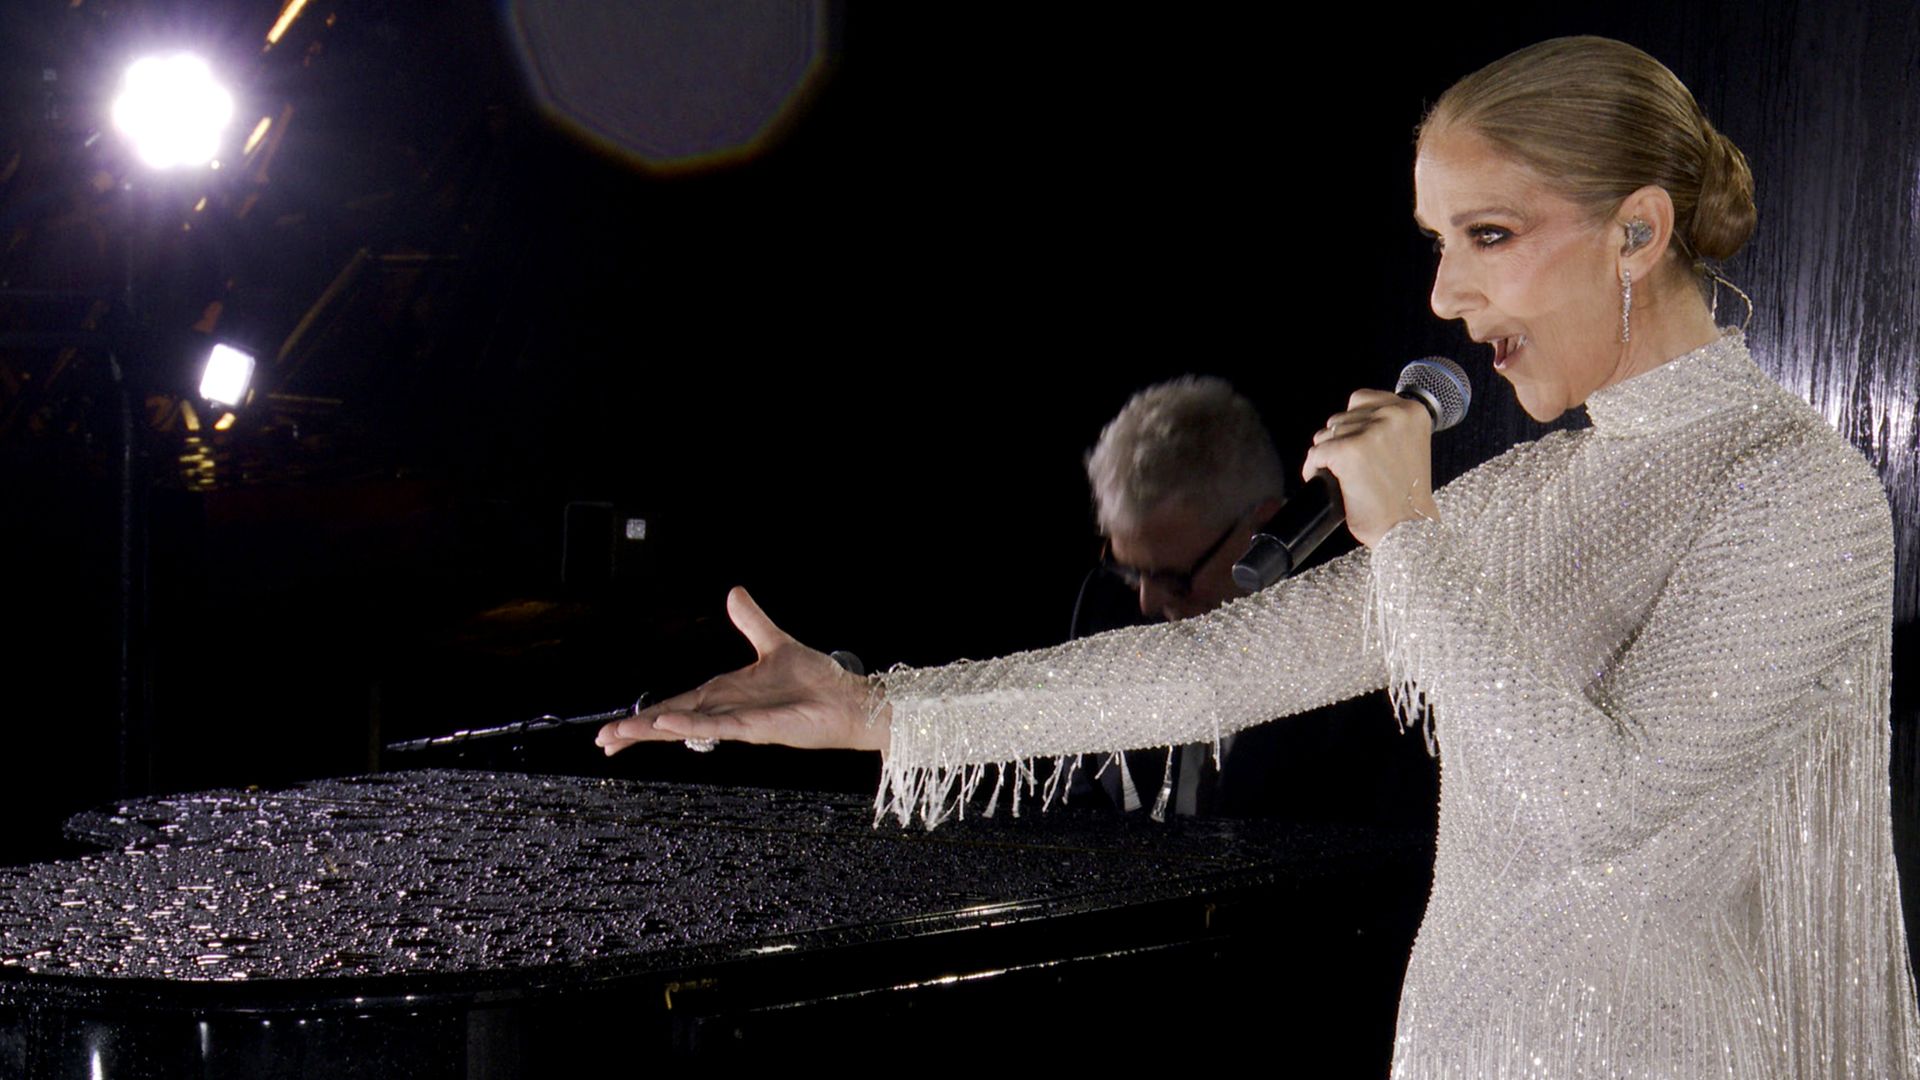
x=1653 y=654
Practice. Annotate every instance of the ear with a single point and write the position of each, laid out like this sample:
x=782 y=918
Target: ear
x=1653 y=206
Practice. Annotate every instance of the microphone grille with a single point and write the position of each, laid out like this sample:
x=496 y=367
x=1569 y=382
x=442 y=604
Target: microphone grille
x=1440 y=383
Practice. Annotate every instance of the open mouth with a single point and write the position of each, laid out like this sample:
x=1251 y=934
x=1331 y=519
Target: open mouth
x=1506 y=348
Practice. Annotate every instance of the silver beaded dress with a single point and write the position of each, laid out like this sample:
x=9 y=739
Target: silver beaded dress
x=1654 y=657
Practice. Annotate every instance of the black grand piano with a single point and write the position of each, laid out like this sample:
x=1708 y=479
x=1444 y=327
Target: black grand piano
x=458 y=924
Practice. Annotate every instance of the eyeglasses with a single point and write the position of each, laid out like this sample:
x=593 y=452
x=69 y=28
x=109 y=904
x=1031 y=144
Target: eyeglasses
x=1177 y=582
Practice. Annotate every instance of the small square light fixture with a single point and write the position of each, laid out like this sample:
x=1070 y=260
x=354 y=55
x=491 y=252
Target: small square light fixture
x=224 y=379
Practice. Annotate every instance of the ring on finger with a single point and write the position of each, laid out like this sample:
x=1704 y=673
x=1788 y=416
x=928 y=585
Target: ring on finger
x=696 y=744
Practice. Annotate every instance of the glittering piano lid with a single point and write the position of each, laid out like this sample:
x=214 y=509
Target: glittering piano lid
x=468 y=876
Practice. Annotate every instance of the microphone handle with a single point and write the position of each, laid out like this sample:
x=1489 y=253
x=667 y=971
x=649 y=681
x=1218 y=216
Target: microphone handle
x=1284 y=543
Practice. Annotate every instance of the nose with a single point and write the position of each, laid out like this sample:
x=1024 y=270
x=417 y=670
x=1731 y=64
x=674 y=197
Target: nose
x=1452 y=294
x=1155 y=599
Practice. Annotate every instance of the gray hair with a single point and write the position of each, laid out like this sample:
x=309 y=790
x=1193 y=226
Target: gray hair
x=1193 y=438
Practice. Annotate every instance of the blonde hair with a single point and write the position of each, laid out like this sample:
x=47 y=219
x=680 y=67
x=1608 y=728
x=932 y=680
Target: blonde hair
x=1599 y=119
x=1193 y=438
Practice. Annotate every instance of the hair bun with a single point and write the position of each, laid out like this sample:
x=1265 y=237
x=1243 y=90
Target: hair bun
x=1724 y=217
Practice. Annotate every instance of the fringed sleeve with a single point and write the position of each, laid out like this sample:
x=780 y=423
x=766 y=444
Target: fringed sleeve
x=1293 y=647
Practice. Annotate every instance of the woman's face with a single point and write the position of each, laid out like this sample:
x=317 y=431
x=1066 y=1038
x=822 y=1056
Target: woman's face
x=1527 y=270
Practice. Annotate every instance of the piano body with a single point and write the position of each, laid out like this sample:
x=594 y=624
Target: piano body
x=477 y=926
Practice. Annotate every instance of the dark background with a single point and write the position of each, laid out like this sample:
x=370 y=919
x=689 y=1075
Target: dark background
x=854 y=372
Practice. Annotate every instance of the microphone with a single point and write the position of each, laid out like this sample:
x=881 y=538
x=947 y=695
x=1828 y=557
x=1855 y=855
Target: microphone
x=1284 y=542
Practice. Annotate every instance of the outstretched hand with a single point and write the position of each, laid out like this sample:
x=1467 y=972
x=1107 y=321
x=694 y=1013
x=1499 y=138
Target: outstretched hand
x=792 y=695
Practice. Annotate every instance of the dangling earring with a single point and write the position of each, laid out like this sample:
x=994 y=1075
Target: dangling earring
x=1639 y=235
x=1626 y=304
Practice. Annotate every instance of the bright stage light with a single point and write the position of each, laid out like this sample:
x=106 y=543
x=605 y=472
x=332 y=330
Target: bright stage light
x=172 y=110
x=225 y=378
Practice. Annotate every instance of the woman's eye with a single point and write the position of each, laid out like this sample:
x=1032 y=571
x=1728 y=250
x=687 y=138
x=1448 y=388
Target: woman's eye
x=1482 y=236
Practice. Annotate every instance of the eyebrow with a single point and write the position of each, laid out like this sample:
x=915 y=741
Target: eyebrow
x=1472 y=215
